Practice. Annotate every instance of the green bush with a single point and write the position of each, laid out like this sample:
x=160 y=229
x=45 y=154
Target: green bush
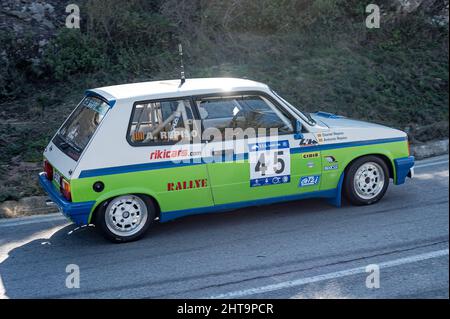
x=16 y=65
x=126 y=39
x=73 y=52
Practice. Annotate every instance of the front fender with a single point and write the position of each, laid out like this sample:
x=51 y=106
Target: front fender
x=385 y=153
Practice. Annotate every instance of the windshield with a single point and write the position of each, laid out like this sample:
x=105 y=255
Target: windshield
x=306 y=116
x=78 y=130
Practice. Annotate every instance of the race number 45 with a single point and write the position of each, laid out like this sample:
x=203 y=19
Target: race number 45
x=270 y=163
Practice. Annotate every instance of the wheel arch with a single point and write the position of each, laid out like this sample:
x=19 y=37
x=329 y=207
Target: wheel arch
x=384 y=157
x=108 y=196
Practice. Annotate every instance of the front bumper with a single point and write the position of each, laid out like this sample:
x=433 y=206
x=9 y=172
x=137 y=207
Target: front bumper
x=404 y=167
x=77 y=212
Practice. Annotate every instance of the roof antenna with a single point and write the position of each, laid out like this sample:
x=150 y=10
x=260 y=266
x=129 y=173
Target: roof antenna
x=183 y=77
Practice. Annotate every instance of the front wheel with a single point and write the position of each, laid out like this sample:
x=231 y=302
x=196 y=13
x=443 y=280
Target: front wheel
x=125 y=218
x=366 y=180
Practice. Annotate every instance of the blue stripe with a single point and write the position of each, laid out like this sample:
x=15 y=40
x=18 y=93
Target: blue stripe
x=332 y=194
x=306 y=149
x=225 y=158
x=134 y=168
x=328 y=115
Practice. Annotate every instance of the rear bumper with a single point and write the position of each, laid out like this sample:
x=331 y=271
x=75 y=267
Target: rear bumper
x=404 y=167
x=76 y=212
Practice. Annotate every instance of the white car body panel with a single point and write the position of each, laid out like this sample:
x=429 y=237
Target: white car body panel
x=63 y=163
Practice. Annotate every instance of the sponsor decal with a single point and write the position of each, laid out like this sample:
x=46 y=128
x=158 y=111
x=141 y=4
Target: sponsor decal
x=274 y=180
x=56 y=177
x=183 y=185
x=309 y=180
x=168 y=154
x=319 y=137
x=307 y=142
x=333 y=136
x=310 y=164
x=171 y=154
x=330 y=159
x=175 y=135
x=311 y=155
x=265 y=146
x=96 y=105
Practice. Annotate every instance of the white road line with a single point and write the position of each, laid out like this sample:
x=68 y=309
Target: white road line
x=333 y=275
x=2 y=289
x=430 y=164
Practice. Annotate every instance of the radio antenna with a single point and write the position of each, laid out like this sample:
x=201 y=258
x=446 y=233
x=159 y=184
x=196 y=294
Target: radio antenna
x=183 y=77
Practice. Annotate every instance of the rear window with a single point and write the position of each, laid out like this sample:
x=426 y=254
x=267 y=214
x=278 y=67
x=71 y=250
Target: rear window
x=78 y=130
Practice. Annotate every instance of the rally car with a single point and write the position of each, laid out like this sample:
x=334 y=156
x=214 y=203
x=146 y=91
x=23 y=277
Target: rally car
x=134 y=154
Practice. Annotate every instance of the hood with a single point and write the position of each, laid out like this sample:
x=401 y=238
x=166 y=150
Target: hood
x=342 y=129
x=334 y=121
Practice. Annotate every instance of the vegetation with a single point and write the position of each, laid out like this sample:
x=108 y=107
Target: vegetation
x=317 y=53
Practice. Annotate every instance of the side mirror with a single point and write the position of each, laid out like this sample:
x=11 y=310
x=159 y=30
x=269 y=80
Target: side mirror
x=298 y=130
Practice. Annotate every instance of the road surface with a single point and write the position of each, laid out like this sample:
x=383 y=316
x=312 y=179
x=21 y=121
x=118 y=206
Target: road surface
x=302 y=249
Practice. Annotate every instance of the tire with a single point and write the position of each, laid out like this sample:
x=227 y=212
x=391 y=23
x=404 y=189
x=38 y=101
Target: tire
x=366 y=180
x=125 y=218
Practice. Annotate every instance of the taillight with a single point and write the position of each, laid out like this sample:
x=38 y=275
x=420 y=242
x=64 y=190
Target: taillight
x=48 y=169
x=65 y=189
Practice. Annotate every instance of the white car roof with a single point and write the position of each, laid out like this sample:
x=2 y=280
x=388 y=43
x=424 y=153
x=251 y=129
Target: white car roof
x=145 y=90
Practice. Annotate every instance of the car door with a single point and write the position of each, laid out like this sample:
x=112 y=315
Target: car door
x=255 y=153
x=163 y=132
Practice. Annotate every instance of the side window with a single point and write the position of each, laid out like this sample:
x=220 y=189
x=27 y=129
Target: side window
x=248 y=111
x=162 y=122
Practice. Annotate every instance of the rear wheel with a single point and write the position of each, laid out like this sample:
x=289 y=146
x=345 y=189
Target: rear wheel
x=125 y=218
x=366 y=180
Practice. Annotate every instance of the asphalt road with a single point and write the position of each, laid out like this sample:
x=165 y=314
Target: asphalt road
x=303 y=249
